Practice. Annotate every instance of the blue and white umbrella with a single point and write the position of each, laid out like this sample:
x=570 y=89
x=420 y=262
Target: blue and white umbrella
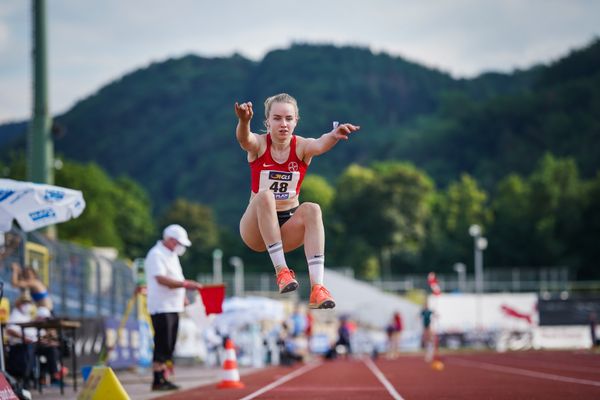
x=36 y=205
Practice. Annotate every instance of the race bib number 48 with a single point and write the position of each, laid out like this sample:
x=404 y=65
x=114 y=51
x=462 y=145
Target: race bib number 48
x=282 y=184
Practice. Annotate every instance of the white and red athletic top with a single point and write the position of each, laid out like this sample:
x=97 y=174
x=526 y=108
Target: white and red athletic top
x=282 y=179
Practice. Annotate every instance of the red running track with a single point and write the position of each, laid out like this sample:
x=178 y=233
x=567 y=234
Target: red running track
x=525 y=375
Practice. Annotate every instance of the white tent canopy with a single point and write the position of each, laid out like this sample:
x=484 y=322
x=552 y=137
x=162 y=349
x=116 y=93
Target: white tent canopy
x=369 y=305
x=238 y=311
x=36 y=205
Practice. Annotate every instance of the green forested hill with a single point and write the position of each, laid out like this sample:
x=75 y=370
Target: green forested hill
x=171 y=126
x=559 y=112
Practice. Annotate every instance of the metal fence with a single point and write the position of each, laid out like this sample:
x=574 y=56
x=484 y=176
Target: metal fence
x=509 y=279
x=547 y=280
x=81 y=282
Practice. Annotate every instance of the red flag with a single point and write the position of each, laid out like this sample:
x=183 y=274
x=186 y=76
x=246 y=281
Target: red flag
x=212 y=297
x=433 y=284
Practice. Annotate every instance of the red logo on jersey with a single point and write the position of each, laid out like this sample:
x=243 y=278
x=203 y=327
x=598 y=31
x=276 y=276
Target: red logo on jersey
x=293 y=166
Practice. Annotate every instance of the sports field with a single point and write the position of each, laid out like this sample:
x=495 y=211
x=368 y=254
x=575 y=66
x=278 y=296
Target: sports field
x=484 y=375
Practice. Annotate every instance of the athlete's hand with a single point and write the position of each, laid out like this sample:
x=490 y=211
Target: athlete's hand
x=342 y=131
x=244 y=111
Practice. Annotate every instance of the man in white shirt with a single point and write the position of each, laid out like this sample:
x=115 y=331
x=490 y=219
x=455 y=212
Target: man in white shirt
x=166 y=288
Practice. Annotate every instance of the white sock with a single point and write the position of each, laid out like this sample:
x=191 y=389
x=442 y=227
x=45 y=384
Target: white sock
x=277 y=255
x=316 y=269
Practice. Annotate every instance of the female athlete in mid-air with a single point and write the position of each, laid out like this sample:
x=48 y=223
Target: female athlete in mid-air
x=275 y=220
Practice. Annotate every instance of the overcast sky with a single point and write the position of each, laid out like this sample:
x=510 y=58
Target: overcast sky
x=94 y=42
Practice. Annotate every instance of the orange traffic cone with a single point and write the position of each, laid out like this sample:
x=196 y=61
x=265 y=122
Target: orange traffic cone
x=230 y=377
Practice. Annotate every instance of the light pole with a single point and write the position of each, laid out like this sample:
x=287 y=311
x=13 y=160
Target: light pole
x=479 y=244
x=238 y=279
x=40 y=143
x=217 y=255
x=461 y=270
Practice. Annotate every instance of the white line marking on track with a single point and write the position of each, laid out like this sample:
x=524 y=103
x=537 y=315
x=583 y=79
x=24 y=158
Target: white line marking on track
x=282 y=380
x=523 y=372
x=336 y=389
x=390 y=388
x=549 y=364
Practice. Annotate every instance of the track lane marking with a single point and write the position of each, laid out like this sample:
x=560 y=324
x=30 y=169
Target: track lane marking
x=282 y=380
x=549 y=364
x=336 y=389
x=379 y=375
x=523 y=372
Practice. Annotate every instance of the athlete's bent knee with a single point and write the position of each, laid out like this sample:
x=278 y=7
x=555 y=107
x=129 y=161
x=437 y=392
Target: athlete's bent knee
x=311 y=210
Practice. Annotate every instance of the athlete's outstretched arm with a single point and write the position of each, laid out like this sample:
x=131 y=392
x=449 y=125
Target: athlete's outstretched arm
x=247 y=139
x=315 y=147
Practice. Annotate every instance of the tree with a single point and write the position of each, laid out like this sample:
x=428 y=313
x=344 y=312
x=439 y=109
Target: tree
x=202 y=230
x=556 y=204
x=316 y=189
x=117 y=212
x=404 y=194
x=539 y=221
x=512 y=230
x=96 y=225
x=461 y=205
x=349 y=227
x=384 y=208
x=587 y=238
x=133 y=217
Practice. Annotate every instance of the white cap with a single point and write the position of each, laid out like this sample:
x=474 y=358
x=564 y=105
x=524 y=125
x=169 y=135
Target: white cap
x=178 y=233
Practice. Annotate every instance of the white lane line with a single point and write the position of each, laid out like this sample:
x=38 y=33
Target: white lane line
x=390 y=388
x=523 y=372
x=561 y=367
x=282 y=380
x=336 y=389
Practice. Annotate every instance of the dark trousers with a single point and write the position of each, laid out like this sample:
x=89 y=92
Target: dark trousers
x=20 y=360
x=165 y=327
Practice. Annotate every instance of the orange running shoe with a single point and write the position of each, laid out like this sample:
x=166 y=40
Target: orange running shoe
x=320 y=298
x=286 y=280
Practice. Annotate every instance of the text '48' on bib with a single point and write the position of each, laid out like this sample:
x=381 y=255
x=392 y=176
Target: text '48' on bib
x=282 y=184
